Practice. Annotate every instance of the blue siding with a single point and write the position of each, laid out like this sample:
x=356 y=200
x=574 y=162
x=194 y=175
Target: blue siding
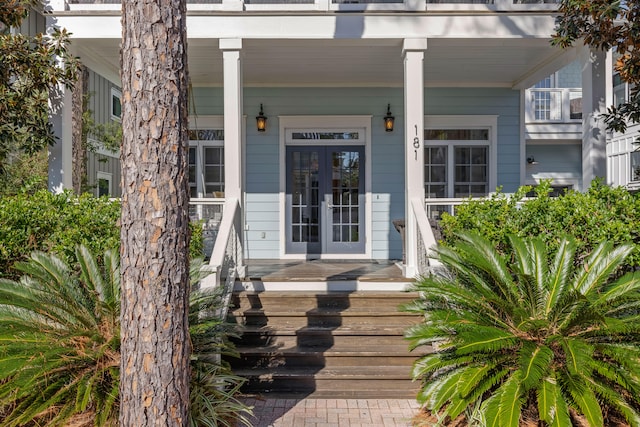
x=504 y=103
x=564 y=160
x=262 y=178
x=570 y=76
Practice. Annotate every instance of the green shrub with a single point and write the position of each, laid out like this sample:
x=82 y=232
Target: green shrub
x=601 y=213
x=534 y=338
x=57 y=223
x=60 y=346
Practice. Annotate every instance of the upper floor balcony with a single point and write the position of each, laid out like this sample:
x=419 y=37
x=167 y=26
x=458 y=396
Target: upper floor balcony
x=553 y=105
x=553 y=113
x=328 y=5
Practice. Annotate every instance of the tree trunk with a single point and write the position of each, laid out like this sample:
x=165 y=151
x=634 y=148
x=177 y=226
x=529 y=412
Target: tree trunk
x=154 y=389
x=78 y=136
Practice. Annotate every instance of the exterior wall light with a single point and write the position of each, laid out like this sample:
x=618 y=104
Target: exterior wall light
x=261 y=121
x=531 y=161
x=388 y=120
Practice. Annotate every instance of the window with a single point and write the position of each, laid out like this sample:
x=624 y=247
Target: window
x=619 y=90
x=103 y=184
x=635 y=165
x=556 y=190
x=459 y=168
x=116 y=104
x=206 y=163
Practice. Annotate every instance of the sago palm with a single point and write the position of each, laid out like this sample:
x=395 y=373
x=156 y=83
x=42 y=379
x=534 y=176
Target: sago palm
x=59 y=342
x=60 y=346
x=533 y=332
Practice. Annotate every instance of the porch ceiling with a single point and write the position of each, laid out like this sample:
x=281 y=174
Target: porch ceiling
x=453 y=62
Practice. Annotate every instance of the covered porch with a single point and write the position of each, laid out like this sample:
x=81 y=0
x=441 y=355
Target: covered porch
x=334 y=69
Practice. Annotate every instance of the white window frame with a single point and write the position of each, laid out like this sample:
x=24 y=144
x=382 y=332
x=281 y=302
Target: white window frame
x=115 y=93
x=489 y=122
x=107 y=177
x=204 y=122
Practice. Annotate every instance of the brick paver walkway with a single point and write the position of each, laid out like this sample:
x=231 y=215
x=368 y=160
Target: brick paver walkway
x=275 y=412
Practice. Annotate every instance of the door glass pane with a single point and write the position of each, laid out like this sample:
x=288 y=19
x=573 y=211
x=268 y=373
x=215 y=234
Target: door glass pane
x=345 y=183
x=305 y=209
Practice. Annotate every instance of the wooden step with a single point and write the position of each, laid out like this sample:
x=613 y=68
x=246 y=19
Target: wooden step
x=346 y=355
x=365 y=382
x=324 y=317
x=304 y=301
x=333 y=344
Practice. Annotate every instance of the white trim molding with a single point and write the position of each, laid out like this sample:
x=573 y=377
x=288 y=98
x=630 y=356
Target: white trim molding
x=326 y=123
x=489 y=122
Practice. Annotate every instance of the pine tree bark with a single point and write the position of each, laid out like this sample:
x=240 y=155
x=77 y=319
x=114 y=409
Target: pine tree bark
x=154 y=389
x=78 y=136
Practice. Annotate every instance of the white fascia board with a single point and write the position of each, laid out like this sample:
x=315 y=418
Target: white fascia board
x=329 y=26
x=563 y=58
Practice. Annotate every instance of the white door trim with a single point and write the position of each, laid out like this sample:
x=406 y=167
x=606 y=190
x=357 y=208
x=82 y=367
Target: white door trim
x=326 y=123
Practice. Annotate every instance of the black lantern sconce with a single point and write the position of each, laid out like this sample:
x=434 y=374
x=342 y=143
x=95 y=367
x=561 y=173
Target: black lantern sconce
x=261 y=121
x=388 y=120
x=531 y=161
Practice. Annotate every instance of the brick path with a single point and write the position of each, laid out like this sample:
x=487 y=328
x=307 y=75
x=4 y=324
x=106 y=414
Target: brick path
x=273 y=412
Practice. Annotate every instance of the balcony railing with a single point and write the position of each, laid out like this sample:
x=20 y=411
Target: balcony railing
x=327 y=5
x=555 y=105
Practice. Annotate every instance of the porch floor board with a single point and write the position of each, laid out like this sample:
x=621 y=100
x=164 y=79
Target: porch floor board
x=270 y=270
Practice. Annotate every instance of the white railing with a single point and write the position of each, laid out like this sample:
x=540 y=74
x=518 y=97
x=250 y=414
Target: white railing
x=436 y=207
x=226 y=258
x=207 y=211
x=326 y=5
x=555 y=105
x=425 y=239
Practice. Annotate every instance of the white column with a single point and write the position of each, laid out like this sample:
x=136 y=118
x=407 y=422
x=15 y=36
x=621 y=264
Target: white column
x=61 y=154
x=594 y=136
x=232 y=68
x=413 y=57
x=233 y=172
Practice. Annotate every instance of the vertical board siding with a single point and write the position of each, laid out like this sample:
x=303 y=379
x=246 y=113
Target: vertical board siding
x=262 y=156
x=100 y=104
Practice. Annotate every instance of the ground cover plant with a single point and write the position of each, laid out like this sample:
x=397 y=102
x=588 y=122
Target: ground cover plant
x=60 y=346
x=539 y=335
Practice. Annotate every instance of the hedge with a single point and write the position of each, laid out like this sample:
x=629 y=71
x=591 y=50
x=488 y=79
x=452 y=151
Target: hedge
x=57 y=223
x=600 y=213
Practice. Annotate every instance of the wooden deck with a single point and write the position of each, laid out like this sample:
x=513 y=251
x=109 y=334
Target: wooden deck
x=323 y=271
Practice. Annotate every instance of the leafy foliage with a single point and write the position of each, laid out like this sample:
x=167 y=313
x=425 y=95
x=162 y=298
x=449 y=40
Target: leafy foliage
x=24 y=173
x=601 y=213
x=532 y=332
x=608 y=25
x=58 y=223
x=60 y=342
x=32 y=68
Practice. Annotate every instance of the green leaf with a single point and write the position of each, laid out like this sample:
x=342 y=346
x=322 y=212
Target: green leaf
x=510 y=402
x=535 y=362
x=559 y=273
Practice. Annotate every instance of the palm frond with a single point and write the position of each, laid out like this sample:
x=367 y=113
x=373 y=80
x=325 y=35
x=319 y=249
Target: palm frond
x=602 y=263
x=511 y=400
x=559 y=273
x=535 y=362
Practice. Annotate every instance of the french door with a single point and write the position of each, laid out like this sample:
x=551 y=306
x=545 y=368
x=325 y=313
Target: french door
x=325 y=200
